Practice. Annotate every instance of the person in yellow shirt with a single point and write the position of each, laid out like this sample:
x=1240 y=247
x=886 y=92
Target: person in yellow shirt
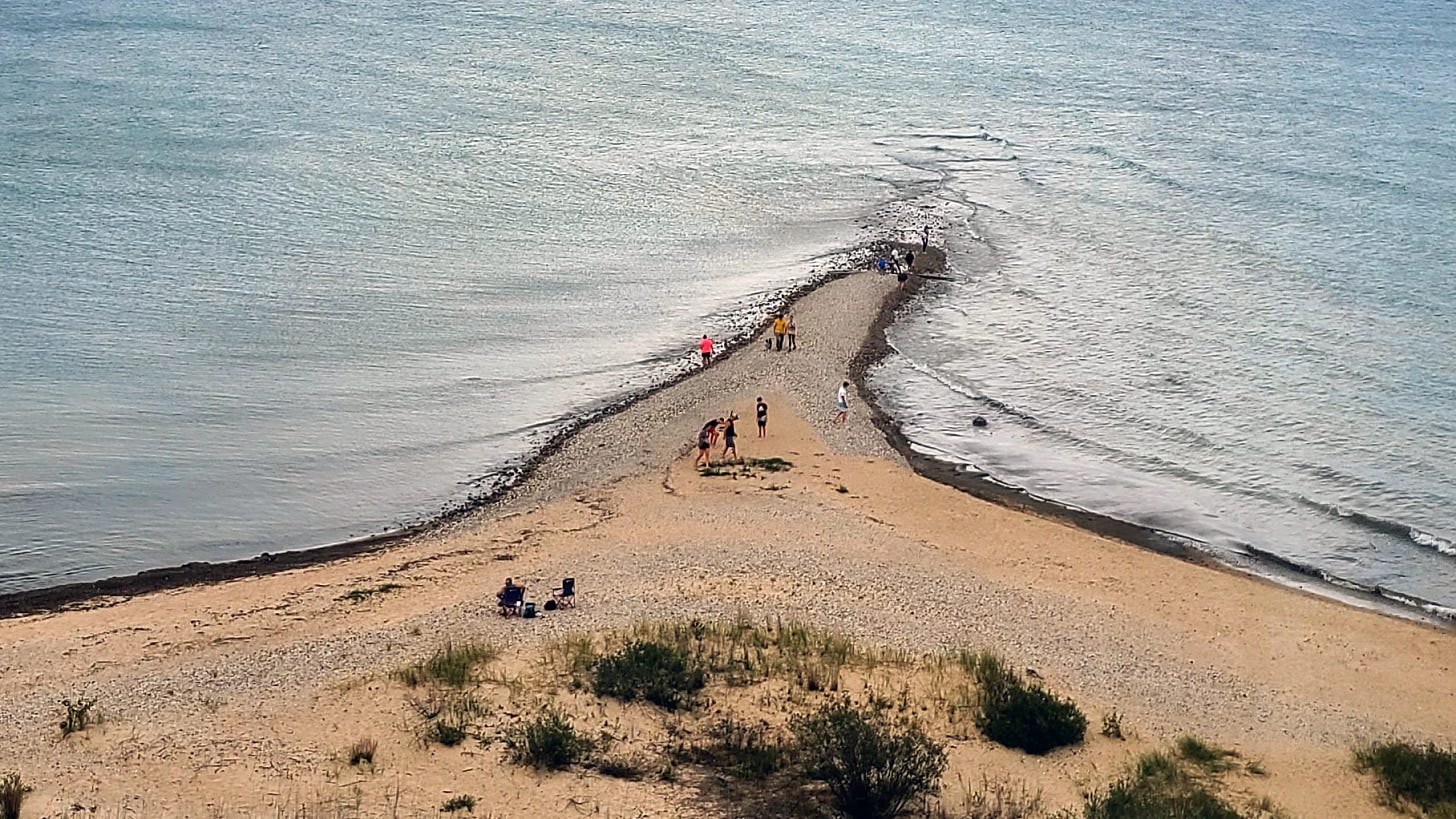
x=780 y=326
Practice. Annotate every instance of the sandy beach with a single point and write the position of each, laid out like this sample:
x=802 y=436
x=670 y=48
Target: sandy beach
x=237 y=698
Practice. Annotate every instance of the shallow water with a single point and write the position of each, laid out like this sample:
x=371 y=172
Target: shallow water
x=277 y=274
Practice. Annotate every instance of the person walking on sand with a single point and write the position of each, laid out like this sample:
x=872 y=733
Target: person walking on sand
x=730 y=437
x=762 y=418
x=780 y=327
x=793 y=335
x=703 y=458
x=712 y=428
x=706 y=348
x=841 y=404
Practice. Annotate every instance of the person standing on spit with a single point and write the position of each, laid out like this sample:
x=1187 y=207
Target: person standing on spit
x=762 y=418
x=706 y=348
x=841 y=404
x=925 y=239
x=780 y=326
x=793 y=335
x=730 y=437
x=704 y=455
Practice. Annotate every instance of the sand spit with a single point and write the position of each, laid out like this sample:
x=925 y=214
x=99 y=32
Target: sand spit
x=238 y=698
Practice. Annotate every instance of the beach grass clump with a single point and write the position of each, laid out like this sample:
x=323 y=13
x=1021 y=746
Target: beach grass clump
x=1206 y=755
x=548 y=741
x=464 y=802
x=1157 y=787
x=1408 y=775
x=874 y=767
x=13 y=791
x=78 y=715
x=362 y=752
x=361 y=594
x=660 y=673
x=1011 y=712
x=451 y=665
x=745 y=750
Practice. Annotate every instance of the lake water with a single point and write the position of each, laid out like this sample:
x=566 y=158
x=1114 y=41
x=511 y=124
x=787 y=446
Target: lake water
x=276 y=274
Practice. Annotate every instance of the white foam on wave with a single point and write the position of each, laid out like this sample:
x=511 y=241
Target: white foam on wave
x=1441 y=545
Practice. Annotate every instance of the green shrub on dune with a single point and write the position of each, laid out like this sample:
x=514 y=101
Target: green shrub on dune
x=874 y=767
x=661 y=674
x=1012 y=713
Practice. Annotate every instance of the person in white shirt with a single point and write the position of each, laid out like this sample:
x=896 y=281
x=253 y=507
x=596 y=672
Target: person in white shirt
x=841 y=404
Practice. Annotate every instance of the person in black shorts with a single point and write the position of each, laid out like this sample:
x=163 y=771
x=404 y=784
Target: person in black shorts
x=730 y=437
x=704 y=458
x=762 y=417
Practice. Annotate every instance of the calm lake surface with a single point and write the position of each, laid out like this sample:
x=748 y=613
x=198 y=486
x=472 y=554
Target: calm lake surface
x=277 y=274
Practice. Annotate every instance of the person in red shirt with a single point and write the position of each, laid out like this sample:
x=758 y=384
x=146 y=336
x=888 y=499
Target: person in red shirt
x=706 y=348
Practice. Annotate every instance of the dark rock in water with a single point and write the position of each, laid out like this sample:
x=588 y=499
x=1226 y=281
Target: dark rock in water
x=978 y=421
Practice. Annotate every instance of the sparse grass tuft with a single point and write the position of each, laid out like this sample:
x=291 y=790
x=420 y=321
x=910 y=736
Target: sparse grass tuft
x=463 y=802
x=1112 y=725
x=1012 y=713
x=660 y=673
x=362 y=752
x=627 y=767
x=549 y=741
x=452 y=665
x=1409 y=774
x=361 y=594
x=447 y=732
x=745 y=750
x=449 y=717
x=874 y=767
x=1209 y=757
x=842 y=489
x=78 y=715
x=12 y=794
x=995 y=799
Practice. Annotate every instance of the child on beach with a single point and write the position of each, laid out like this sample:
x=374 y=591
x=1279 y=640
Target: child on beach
x=762 y=418
x=793 y=335
x=706 y=348
x=730 y=437
x=841 y=404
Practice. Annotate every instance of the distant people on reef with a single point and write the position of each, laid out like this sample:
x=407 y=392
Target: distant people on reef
x=793 y=335
x=780 y=328
x=762 y=418
x=706 y=348
x=841 y=404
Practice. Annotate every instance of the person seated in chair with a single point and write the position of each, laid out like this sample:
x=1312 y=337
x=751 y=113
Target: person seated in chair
x=506 y=589
x=510 y=595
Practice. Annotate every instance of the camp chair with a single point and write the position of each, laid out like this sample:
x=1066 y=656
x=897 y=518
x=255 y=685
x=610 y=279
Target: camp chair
x=566 y=595
x=512 y=601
